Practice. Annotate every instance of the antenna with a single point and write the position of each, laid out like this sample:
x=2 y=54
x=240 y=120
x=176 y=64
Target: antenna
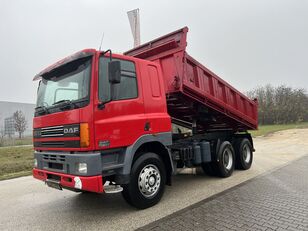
x=100 y=46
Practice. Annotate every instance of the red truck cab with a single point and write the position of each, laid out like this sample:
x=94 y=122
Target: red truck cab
x=103 y=123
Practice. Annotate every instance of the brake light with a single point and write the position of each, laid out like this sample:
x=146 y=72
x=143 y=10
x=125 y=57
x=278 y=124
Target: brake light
x=84 y=135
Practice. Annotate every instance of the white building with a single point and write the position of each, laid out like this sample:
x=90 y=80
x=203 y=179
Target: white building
x=7 y=110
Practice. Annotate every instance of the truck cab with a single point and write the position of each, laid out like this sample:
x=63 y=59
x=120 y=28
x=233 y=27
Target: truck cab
x=86 y=126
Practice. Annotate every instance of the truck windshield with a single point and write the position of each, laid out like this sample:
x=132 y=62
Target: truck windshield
x=68 y=83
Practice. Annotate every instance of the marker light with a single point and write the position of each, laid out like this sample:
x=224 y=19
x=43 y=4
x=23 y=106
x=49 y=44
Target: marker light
x=84 y=135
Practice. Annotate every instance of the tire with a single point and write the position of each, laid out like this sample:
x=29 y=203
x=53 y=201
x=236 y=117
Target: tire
x=147 y=181
x=226 y=160
x=209 y=169
x=243 y=153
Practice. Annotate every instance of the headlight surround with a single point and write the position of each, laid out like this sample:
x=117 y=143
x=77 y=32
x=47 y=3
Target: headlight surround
x=82 y=168
x=35 y=163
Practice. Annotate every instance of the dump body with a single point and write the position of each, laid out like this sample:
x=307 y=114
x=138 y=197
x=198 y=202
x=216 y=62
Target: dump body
x=194 y=93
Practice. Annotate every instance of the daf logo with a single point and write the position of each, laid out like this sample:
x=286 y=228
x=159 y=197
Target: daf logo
x=71 y=130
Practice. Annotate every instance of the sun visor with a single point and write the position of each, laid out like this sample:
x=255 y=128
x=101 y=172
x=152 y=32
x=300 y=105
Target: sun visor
x=68 y=59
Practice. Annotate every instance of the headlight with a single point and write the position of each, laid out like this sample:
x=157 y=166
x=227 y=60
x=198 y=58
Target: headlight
x=35 y=163
x=82 y=168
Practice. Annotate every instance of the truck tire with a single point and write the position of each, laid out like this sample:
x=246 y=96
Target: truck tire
x=243 y=154
x=225 y=160
x=147 y=181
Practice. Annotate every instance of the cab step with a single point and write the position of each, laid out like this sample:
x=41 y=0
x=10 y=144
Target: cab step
x=112 y=188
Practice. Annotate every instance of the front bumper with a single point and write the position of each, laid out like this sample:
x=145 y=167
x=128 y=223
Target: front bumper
x=67 y=163
x=82 y=183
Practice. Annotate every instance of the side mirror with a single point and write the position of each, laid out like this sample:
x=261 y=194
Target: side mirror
x=114 y=72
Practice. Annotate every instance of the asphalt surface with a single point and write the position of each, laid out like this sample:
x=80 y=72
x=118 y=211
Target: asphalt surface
x=275 y=201
x=27 y=204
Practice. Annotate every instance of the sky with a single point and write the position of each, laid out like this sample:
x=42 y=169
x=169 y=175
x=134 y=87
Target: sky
x=247 y=43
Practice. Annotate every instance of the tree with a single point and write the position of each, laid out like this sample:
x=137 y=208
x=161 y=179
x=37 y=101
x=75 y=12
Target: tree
x=281 y=105
x=2 y=135
x=20 y=122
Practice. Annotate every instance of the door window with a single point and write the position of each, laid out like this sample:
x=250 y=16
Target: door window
x=126 y=89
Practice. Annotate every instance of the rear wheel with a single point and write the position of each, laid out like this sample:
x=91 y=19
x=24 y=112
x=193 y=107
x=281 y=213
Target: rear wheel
x=244 y=154
x=147 y=181
x=226 y=160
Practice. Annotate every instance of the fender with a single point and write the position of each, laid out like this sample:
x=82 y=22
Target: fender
x=164 y=138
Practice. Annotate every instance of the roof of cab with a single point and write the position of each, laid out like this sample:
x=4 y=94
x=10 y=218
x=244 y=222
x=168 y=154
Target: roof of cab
x=80 y=54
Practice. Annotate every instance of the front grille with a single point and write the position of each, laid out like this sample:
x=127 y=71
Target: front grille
x=57 y=144
x=52 y=144
x=57 y=158
x=55 y=136
x=57 y=131
x=53 y=161
x=69 y=130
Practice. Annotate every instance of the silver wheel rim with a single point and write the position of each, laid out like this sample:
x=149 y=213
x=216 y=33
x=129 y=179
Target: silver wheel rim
x=227 y=158
x=149 y=180
x=246 y=154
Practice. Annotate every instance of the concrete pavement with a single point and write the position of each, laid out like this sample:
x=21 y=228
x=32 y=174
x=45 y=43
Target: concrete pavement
x=275 y=201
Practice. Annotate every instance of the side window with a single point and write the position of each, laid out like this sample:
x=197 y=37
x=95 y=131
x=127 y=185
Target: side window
x=127 y=89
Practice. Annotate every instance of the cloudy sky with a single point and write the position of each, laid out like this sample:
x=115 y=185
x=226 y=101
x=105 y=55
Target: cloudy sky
x=247 y=43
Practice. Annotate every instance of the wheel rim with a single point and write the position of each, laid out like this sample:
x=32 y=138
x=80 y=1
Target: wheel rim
x=149 y=180
x=227 y=159
x=246 y=153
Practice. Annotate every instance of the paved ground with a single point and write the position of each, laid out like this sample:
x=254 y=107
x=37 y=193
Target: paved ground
x=276 y=201
x=17 y=146
x=27 y=204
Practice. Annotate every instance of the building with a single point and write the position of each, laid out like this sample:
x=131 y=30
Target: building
x=7 y=110
x=9 y=128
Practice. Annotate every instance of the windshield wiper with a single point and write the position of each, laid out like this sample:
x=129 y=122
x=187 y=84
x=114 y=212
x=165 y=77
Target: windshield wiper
x=63 y=101
x=41 y=109
x=70 y=103
x=65 y=104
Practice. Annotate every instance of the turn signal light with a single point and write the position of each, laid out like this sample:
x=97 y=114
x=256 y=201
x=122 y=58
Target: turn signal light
x=84 y=135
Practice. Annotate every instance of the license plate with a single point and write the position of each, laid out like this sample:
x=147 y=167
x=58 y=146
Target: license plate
x=54 y=184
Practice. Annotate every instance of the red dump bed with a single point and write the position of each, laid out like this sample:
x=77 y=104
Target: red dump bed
x=193 y=91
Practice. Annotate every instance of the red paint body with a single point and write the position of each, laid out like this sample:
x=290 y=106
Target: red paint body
x=171 y=86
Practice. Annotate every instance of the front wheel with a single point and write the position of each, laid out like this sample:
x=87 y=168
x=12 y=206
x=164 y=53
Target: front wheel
x=147 y=181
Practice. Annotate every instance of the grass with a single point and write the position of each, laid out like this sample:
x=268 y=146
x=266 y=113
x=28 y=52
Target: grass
x=16 y=142
x=15 y=162
x=268 y=129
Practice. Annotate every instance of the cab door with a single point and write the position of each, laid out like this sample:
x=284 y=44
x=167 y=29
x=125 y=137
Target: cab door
x=119 y=122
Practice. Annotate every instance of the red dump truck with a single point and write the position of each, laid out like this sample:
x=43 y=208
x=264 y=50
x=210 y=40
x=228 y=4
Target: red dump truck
x=125 y=123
